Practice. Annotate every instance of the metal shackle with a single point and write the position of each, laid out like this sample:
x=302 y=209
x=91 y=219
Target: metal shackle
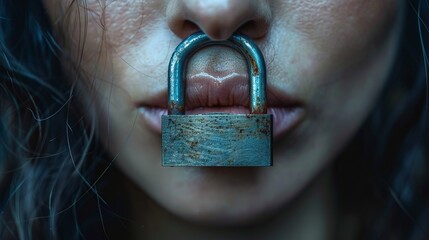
x=242 y=44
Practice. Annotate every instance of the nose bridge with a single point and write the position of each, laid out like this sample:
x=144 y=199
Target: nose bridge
x=241 y=43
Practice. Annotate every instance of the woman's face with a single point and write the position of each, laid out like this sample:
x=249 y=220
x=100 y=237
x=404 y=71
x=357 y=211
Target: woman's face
x=326 y=63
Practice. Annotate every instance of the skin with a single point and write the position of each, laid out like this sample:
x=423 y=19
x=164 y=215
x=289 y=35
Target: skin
x=333 y=56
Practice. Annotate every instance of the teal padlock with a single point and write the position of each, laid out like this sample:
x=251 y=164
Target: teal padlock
x=217 y=139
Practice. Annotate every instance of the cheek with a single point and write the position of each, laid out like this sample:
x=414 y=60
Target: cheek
x=333 y=22
x=348 y=31
x=123 y=23
x=319 y=40
x=335 y=54
x=92 y=27
x=119 y=20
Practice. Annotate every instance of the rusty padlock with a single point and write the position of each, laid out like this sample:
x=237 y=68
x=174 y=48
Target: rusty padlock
x=217 y=139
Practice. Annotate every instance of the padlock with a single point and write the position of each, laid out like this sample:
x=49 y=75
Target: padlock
x=217 y=139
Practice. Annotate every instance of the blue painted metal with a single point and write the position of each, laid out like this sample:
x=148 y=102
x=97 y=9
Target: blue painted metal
x=217 y=139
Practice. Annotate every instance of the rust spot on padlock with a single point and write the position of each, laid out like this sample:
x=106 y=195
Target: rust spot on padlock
x=265 y=131
x=260 y=109
x=253 y=64
x=174 y=106
x=194 y=144
x=195 y=155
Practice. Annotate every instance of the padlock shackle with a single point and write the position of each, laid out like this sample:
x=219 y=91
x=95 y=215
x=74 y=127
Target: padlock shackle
x=241 y=43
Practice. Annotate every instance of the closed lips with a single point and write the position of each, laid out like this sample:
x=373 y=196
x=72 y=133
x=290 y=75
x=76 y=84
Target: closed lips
x=205 y=94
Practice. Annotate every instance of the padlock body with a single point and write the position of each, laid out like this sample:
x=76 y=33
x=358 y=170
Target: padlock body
x=217 y=140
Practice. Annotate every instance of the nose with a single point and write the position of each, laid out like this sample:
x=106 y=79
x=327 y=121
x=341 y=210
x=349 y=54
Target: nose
x=219 y=19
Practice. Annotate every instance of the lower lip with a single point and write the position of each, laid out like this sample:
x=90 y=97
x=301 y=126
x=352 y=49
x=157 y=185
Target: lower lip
x=284 y=119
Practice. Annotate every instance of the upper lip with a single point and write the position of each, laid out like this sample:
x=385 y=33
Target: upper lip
x=232 y=90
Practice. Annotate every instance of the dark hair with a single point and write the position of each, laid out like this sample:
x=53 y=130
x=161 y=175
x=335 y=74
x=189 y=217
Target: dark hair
x=384 y=173
x=52 y=166
x=45 y=144
x=400 y=125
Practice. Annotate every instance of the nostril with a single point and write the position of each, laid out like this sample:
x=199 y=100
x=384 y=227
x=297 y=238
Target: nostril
x=254 y=29
x=189 y=28
x=247 y=26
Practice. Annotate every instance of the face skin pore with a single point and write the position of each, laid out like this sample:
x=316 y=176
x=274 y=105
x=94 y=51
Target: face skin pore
x=329 y=58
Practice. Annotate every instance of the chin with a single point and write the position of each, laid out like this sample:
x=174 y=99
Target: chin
x=222 y=196
x=222 y=212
